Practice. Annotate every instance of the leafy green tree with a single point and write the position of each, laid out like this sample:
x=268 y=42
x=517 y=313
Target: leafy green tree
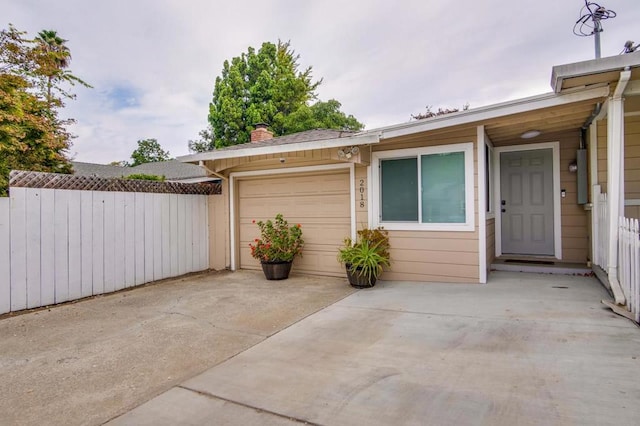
x=148 y=151
x=266 y=86
x=321 y=115
x=32 y=89
x=206 y=142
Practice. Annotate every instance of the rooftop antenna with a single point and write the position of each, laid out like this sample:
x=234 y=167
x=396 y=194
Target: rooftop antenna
x=629 y=47
x=589 y=23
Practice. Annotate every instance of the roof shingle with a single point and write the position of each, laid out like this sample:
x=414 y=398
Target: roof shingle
x=172 y=170
x=306 y=136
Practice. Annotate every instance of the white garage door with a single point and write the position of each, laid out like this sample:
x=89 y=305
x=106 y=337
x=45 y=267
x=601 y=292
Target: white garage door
x=319 y=202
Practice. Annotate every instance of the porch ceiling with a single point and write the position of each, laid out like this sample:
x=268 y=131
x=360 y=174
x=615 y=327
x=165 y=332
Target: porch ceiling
x=547 y=120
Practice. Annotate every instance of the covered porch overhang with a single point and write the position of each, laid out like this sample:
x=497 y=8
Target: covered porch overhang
x=620 y=110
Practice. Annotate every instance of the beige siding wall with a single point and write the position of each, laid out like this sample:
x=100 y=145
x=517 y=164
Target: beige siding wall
x=632 y=212
x=219 y=229
x=632 y=156
x=433 y=255
x=575 y=224
x=602 y=154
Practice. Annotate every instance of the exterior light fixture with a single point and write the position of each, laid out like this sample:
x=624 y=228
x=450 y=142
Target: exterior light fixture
x=348 y=152
x=530 y=134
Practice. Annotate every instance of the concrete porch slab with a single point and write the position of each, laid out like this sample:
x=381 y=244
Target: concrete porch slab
x=523 y=349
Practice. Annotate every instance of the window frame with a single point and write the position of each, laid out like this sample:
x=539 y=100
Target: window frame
x=469 y=223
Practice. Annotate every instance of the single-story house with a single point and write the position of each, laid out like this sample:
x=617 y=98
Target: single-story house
x=172 y=170
x=456 y=192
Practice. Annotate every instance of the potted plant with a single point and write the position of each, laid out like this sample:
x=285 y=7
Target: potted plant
x=365 y=258
x=277 y=246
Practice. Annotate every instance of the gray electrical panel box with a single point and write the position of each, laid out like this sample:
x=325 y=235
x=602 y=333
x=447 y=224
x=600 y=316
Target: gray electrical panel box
x=583 y=187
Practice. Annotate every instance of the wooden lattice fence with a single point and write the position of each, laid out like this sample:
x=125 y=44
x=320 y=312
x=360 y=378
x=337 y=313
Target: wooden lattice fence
x=25 y=179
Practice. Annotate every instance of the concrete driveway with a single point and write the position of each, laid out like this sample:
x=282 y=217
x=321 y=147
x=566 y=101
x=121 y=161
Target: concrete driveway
x=524 y=349
x=87 y=362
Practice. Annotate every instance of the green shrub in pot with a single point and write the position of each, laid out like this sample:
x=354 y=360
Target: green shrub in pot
x=365 y=258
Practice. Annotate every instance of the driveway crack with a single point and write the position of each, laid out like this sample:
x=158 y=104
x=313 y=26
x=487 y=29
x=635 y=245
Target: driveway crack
x=242 y=404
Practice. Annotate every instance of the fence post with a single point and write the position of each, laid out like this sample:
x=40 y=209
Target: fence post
x=5 y=255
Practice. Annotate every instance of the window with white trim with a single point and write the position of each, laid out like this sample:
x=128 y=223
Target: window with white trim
x=424 y=189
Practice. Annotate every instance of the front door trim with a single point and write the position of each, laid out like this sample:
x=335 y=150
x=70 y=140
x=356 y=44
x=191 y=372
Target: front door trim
x=557 y=233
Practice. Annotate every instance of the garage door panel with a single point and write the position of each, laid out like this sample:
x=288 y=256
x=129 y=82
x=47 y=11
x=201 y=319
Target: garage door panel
x=320 y=203
x=298 y=186
x=313 y=234
x=304 y=207
x=312 y=262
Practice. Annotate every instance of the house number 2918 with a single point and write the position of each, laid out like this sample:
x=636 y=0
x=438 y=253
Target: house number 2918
x=361 y=191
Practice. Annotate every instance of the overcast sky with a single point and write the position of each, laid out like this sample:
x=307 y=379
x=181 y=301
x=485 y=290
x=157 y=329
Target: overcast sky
x=153 y=63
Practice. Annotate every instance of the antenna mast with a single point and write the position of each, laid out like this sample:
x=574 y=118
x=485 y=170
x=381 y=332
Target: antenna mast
x=590 y=22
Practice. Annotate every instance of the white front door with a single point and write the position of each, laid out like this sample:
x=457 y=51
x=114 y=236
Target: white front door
x=526 y=187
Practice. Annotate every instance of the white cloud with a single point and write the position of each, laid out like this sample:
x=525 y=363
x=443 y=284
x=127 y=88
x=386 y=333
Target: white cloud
x=382 y=60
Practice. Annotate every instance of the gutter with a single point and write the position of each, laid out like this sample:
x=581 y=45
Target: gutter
x=489 y=112
x=559 y=73
x=360 y=139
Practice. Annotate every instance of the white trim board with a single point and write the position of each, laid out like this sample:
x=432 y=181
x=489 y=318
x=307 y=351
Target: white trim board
x=482 y=213
x=557 y=208
x=270 y=172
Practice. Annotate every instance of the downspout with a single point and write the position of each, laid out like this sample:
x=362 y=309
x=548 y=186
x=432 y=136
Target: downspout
x=615 y=174
x=585 y=126
x=589 y=126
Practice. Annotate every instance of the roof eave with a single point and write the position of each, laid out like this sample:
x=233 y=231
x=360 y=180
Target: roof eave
x=559 y=73
x=360 y=139
x=495 y=111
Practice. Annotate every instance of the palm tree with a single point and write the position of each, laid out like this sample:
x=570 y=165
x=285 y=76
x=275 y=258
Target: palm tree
x=58 y=57
x=52 y=43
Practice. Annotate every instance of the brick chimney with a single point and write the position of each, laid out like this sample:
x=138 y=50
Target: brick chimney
x=261 y=133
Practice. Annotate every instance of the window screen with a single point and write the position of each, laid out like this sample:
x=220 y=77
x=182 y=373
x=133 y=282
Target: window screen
x=399 y=187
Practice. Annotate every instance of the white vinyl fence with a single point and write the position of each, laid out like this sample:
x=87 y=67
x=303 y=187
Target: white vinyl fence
x=629 y=263
x=58 y=245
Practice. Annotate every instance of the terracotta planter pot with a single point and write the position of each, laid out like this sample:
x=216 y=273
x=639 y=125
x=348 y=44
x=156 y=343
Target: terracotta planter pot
x=358 y=281
x=276 y=270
